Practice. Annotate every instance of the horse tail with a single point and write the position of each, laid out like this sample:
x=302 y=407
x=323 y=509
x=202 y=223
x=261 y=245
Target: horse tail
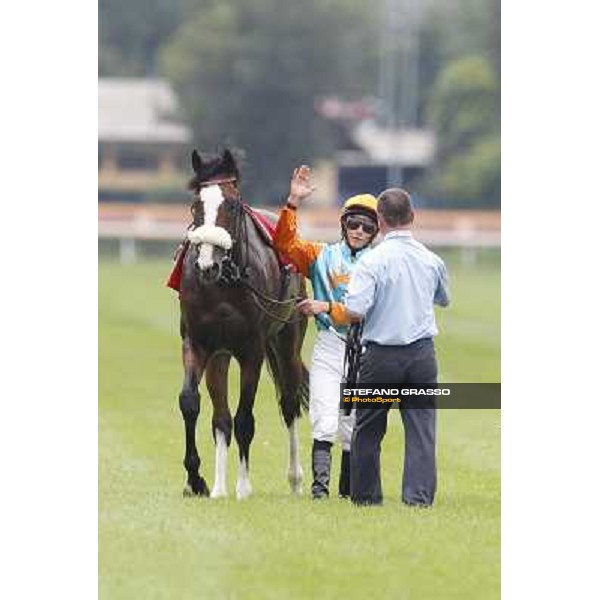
x=304 y=390
x=274 y=369
x=288 y=372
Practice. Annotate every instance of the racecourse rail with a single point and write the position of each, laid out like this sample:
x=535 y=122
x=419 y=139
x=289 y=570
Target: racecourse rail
x=132 y=223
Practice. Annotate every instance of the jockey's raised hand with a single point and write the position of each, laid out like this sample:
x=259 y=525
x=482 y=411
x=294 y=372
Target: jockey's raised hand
x=301 y=186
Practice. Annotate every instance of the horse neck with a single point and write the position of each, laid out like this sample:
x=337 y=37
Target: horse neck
x=245 y=238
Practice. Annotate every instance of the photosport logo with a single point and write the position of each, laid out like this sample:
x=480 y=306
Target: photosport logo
x=448 y=395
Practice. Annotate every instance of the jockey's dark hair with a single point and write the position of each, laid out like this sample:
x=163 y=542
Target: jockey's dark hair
x=394 y=206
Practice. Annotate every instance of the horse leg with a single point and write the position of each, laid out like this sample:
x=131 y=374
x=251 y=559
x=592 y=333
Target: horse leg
x=243 y=422
x=216 y=382
x=189 y=404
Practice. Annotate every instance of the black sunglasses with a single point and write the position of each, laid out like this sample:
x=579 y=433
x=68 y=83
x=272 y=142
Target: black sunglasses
x=354 y=223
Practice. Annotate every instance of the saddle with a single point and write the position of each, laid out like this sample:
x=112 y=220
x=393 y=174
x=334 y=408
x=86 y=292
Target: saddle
x=265 y=223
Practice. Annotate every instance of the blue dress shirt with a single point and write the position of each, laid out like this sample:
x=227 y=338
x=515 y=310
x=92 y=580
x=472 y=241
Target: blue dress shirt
x=394 y=287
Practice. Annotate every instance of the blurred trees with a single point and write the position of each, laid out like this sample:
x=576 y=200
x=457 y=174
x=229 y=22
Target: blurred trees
x=131 y=33
x=465 y=113
x=248 y=74
x=462 y=102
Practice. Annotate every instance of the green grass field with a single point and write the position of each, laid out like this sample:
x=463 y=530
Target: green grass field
x=153 y=543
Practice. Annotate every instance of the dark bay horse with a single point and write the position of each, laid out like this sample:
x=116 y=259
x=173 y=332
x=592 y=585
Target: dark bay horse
x=235 y=301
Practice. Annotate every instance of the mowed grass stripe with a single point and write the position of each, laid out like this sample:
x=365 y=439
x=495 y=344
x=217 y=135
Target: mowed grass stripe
x=155 y=544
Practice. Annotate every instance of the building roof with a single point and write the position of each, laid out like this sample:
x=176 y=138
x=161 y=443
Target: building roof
x=413 y=147
x=139 y=110
x=368 y=140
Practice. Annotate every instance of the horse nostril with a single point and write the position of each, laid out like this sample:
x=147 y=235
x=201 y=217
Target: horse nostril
x=211 y=273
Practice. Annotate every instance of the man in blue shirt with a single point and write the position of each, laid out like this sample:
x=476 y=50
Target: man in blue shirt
x=393 y=289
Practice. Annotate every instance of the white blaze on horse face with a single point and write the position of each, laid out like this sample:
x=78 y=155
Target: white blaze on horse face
x=220 y=487
x=209 y=235
x=295 y=473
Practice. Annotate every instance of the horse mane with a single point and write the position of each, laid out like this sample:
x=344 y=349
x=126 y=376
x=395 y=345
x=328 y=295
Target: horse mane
x=209 y=166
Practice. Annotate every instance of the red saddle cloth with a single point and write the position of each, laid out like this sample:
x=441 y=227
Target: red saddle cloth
x=174 y=280
x=265 y=227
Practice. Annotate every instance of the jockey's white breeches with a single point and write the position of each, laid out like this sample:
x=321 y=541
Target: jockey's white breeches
x=328 y=421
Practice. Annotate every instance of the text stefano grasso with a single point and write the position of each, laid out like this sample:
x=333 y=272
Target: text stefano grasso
x=396 y=391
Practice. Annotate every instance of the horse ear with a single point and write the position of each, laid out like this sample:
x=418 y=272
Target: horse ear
x=196 y=161
x=228 y=161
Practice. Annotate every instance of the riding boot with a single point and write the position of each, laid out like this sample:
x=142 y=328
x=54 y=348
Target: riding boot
x=321 y=467
x=344 y=485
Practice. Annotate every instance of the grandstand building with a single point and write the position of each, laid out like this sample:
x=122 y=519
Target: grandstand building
x=141 y=143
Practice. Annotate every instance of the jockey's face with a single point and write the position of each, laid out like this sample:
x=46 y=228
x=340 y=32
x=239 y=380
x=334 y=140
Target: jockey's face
x=360 y=231
x=358 y=239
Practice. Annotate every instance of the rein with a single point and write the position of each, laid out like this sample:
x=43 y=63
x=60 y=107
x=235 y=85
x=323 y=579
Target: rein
x=353 y=352
x=260 y=299
x=352 y=358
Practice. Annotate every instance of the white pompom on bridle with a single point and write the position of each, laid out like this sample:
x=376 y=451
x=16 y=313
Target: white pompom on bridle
x=209 y=236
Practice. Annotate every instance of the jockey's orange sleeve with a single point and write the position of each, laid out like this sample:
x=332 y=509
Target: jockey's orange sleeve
x=339 y=314
x=303 y=254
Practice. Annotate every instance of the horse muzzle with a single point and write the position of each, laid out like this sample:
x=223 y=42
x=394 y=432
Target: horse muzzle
x=224 y=272
x=210 y=274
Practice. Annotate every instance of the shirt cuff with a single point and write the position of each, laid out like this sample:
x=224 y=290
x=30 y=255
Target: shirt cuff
x=339 y=314
x=354 y=305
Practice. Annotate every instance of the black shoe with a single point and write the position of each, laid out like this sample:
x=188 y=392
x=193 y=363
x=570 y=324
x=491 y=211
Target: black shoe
x=417 y=504
x=344 y=484
x=321 y=468
x=367 y=502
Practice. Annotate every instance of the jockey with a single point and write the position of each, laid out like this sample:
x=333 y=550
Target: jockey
x=328 y=266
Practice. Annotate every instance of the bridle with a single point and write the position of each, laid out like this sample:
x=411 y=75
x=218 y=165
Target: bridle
x=233 y=266
x=218 y=182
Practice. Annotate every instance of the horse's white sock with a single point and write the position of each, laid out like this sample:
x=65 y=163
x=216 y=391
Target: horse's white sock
x=220 y=487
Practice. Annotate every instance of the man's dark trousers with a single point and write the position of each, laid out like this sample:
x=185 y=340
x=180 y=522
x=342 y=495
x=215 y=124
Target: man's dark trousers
x=400 y=365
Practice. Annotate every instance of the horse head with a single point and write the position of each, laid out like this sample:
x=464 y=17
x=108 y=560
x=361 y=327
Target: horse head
x=218 y=216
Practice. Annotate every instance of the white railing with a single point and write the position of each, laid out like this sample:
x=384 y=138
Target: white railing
x=128 y=232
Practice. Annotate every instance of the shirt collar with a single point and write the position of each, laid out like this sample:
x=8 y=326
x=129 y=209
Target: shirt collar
x=398 y=233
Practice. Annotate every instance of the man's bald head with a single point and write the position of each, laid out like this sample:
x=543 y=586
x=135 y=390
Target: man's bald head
x=394 y=207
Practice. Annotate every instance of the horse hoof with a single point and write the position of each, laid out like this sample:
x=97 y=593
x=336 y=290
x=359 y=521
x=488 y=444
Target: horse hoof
x=196 y=488
x=295 y=480
x=218 y=494
x=243 y=490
